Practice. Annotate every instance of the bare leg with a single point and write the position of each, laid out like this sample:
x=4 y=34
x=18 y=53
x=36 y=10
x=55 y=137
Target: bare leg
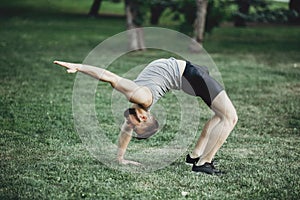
x=216 y=130
x=133 y=92
x=203 y=139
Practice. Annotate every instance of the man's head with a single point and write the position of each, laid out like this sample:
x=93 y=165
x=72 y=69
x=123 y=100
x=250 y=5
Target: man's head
x=144 y=124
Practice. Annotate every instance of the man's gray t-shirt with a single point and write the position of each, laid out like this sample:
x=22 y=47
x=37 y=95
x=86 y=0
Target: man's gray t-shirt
x=160 y=76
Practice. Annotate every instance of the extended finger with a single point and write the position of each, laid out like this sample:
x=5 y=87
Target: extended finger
x=65 y=64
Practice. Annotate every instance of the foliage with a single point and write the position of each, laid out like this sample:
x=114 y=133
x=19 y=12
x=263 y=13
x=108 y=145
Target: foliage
x=216 y=13
x=273 y=16
x=262 y=12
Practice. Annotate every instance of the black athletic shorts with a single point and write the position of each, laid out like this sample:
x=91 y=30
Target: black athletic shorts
x=196 y=81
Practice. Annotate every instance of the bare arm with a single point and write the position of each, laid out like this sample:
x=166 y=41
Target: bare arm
x=124 y=139
x=133 y=92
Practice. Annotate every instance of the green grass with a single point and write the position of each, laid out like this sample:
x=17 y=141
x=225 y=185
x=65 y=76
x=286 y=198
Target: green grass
x=42 y=156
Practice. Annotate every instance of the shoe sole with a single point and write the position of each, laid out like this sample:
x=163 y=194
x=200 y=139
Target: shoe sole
x=189 y=164
x=196 y=173
x=201 y=173
x=204 y=173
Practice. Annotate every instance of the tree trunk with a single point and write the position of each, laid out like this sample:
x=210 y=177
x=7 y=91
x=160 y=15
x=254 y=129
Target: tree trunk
x=244 y=6
x=295 y=5
x=199 y=24
x=95 y=8
x=135 y=32
x=156 y=12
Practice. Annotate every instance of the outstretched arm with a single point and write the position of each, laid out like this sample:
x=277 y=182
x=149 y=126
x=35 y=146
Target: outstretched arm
x=133 y=92
x=124 y=139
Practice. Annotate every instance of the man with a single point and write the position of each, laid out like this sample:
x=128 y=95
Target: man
x=152 y=83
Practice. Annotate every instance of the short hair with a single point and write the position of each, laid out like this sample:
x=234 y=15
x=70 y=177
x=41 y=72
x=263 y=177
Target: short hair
x=146 y=129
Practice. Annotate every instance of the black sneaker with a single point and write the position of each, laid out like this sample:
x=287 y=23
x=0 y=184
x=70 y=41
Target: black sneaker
x=207 y=168
x=191 y=161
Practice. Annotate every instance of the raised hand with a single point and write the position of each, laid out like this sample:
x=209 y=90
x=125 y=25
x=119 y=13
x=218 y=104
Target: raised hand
x=71 y=67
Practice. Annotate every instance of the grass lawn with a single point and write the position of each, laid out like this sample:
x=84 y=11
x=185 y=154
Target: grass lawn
x=42 y=156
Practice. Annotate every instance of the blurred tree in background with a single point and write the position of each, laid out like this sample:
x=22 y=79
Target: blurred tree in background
x=95 y=8
x=134 y=20
x=294 y=6
x=198 y=17
x=243 y=10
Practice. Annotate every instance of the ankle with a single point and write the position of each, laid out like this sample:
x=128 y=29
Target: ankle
x=194 y=155
x=202 y=162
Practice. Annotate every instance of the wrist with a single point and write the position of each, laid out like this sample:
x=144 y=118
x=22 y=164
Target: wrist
x=127 y=128
x=79 y=67
x=121 y=153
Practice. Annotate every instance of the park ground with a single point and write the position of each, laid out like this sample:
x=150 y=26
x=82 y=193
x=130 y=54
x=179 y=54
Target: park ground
x=42 y=156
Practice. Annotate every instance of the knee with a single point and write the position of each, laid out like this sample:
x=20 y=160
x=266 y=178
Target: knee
x=235 y=119
x=231 y=118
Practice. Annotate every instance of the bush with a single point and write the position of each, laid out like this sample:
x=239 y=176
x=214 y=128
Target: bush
x=279 y=15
